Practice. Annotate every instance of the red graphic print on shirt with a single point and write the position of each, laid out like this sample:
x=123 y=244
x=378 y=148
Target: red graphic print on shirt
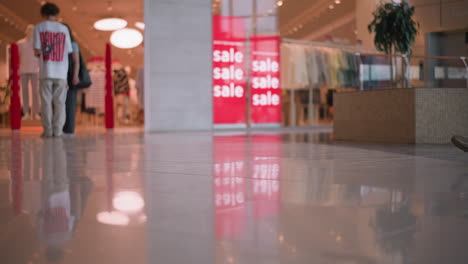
x=53 y=46
x=56 y=220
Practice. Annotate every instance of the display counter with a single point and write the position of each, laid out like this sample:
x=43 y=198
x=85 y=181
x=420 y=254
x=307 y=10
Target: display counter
x=421 y=115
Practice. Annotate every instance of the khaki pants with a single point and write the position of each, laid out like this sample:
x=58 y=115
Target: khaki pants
x=53 y=95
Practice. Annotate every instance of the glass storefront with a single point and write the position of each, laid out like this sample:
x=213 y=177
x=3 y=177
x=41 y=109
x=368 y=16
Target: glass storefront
x=257 y=95
x=246 y=64
x=263 y=52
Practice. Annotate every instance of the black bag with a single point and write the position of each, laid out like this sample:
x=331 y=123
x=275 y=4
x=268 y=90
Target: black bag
x=83 y=74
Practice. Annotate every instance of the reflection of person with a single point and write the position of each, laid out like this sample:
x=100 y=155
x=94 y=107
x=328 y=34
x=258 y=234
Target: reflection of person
x=55 y=222
x=52 y=44
x=460 y=142
x=63 y=198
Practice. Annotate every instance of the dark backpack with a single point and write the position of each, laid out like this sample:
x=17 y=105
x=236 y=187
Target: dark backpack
x=83 y=74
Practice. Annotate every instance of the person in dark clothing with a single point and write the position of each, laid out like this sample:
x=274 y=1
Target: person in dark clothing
x=70 y=103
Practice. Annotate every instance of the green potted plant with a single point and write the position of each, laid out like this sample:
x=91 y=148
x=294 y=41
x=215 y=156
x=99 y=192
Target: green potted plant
x=395 y=30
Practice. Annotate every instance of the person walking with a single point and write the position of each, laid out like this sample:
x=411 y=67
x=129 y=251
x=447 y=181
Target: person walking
x=70 y=103
x=52 y=44
x=29 y=72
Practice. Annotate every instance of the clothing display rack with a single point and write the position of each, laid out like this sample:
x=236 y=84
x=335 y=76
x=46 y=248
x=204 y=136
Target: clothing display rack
x=333 y=46
x=351 y=50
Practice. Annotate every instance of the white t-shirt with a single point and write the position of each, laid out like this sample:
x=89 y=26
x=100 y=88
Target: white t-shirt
x=28 y=62
x=53 y=40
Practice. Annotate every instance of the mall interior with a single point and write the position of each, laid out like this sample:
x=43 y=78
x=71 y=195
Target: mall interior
x=238 y=131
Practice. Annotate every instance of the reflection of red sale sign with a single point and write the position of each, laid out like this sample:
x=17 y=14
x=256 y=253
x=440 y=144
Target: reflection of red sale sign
x=229 y=186
x=229 y=76
x=266 y=169
x=265 y=80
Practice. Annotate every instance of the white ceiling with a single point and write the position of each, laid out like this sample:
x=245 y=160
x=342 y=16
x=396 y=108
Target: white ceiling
x=312 y=18
x=80 y=15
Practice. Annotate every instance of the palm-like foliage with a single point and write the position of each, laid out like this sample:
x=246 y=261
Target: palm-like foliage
x=394 y=27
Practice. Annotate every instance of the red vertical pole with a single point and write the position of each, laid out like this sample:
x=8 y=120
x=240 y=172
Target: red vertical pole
x=109 y=101
x=15 y=104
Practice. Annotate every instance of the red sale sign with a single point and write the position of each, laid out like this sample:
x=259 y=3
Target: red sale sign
x=265 y=80
x=229 y=70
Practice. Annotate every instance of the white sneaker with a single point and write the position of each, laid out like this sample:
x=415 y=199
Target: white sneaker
x=68 y=135
x=46 y=135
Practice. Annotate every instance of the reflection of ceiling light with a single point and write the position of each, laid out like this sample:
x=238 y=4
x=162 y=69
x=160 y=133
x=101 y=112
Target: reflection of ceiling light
x=126 y=38
x=128 y=202
x=331 y=6
x=279 y=3
x=140 y=25
x=337 y=2
x=143 y=219
x=113 y=218
x=110 y=24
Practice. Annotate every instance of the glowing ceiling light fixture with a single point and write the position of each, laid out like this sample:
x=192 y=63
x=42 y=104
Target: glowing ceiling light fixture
x=128 y=202
x=337 y=2
x=279 y=3
x=110 y=24
x=331 y=6
x=140 y=25
x=126 y=38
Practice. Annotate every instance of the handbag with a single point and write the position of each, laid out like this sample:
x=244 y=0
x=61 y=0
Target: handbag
x=83 y=74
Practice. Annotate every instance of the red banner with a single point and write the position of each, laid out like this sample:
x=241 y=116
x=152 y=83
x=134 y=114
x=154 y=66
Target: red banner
x=265 y=80
x=229 y=70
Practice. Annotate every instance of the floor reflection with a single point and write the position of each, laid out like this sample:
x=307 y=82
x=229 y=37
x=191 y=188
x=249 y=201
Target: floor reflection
x=52 y=184
x=230 y=197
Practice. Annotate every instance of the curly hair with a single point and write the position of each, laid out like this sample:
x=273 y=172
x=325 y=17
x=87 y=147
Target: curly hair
x=49 y=9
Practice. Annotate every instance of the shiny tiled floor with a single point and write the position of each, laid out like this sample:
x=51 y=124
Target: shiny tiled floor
x=272 y=197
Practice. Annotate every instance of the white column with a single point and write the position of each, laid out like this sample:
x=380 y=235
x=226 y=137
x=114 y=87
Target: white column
x=178 y=65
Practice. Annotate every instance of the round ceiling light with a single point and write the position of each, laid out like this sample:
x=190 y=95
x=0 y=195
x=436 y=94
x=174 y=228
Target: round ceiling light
x=126 y=38
x=140 y=25
x=110 y=24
